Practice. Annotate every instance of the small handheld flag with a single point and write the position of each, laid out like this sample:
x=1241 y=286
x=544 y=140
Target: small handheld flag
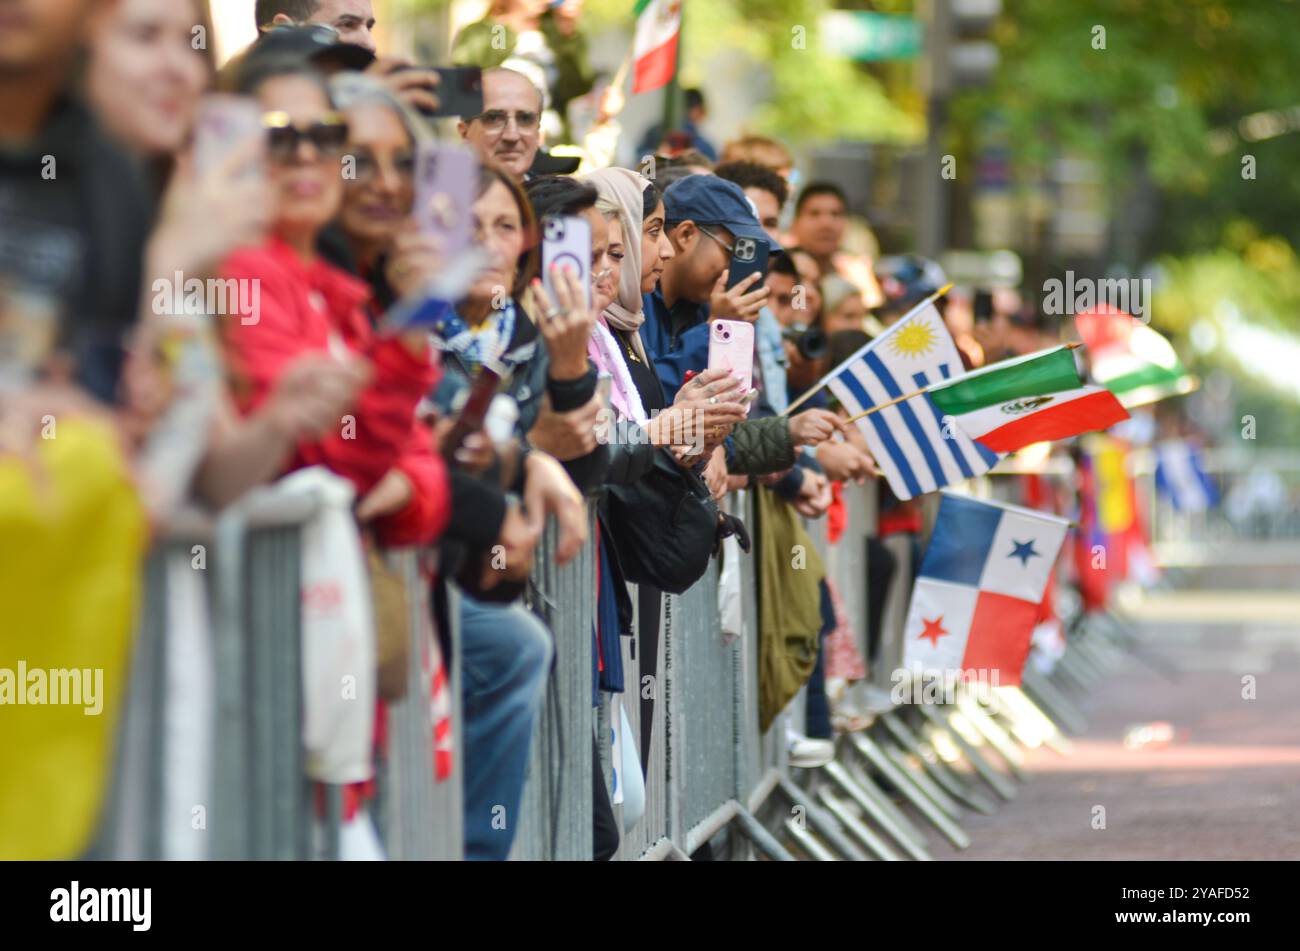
x=978 y=593
x=916 y=452
x=1035 y=398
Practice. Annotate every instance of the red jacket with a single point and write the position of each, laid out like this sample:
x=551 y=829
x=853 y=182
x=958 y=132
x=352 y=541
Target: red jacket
x=300 y=307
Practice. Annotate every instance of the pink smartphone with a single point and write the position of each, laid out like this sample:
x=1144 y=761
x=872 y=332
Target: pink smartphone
x=224 y=124
x=731 y=346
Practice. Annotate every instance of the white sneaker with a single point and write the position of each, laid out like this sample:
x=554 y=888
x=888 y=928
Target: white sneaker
x=807 y=753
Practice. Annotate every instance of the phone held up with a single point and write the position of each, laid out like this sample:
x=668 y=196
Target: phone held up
x=445 y=178
x=566 y=241
x=749 y=256
x=224 y=124
x=460 y=92
x=731 y=347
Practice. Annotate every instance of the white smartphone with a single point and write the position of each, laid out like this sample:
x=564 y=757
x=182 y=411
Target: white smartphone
x=567 y=242
x=225 y=123
x=731 y=347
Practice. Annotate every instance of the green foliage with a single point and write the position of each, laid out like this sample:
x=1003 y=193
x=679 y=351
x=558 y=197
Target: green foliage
x=813 y=96
x=1172 y=72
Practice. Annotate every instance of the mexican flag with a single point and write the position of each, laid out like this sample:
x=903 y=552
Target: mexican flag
x=1130 y=359
x=1035 y=398
x=654 y=50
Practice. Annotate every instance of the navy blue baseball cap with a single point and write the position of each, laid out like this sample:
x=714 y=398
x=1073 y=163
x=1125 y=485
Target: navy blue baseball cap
x=709 y=200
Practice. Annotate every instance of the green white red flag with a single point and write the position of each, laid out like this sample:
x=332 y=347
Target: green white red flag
x=654 y=49
x=1130 y=359
x=1036 y=398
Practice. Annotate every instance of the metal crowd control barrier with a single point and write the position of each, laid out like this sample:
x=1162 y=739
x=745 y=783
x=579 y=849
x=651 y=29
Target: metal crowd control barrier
x=712 y=778
x=210 y=761
x=556 y=810
x=418 y=817
x=212 y=766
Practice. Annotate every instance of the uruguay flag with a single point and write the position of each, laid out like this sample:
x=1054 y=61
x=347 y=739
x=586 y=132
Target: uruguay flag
x=916 y=451
x=979 y=589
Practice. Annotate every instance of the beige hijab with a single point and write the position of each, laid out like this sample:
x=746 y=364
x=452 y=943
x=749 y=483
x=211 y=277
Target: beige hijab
x=626 y=189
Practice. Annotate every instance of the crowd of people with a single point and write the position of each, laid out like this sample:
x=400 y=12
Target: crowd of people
x=102 y=195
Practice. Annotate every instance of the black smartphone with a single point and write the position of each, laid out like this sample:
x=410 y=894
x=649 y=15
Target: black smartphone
x=460 y=91
x=749 y=256
x=983 y=306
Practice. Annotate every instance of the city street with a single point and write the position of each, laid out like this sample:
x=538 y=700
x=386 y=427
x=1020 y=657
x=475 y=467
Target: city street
x=1225 y=785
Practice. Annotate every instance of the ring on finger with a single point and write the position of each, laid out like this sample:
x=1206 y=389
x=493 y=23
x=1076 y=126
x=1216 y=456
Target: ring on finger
x=713 y=401
x=553 y=312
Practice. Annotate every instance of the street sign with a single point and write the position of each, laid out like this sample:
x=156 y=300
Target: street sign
x=870 y=36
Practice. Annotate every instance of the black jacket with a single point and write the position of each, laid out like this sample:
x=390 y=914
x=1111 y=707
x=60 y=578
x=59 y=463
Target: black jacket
x=75 y=215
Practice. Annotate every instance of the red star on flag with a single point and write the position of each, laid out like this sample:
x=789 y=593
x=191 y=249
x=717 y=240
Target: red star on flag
x=933 y=630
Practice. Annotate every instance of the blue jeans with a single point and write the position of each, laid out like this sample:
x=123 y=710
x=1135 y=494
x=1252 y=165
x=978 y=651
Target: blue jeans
x=505 y=658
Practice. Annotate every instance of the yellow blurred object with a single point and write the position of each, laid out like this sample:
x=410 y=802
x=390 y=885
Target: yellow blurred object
x=70 y=568
x=1114 y=492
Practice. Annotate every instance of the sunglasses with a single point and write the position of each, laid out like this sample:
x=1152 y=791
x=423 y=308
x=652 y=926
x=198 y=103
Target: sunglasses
x=327 y=135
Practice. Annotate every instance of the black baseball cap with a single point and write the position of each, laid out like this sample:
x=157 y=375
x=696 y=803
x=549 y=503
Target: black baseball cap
x=315 y=43
x=709 y=200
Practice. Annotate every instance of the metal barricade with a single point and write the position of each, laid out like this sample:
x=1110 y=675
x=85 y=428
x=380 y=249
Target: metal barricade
x=556 y=810
x=708 y=765
x=209 y=761
x=209 y=754
x=419 y=817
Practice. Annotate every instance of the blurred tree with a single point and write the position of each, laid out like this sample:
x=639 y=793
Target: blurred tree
x=814 y=96
x=1159 y=84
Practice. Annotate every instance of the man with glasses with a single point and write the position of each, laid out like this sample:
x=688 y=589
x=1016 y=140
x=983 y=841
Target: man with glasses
x=508 y=130
x=705 y=215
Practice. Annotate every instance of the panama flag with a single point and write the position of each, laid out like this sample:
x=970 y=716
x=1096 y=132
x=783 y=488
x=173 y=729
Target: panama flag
x=654 y=48
x=916 y=452
x=1035 y=398
x=978 y=593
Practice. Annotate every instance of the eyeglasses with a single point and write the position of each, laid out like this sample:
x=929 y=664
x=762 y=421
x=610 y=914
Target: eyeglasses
x=495 y=120
x=731 y=250
x=327 y=135
x=366 y=166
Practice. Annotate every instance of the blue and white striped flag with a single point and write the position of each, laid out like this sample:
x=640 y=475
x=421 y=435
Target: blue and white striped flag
x=1181 y=477
x=915 y=450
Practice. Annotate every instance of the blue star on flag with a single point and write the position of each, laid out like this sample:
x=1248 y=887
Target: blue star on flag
x=1024 y=551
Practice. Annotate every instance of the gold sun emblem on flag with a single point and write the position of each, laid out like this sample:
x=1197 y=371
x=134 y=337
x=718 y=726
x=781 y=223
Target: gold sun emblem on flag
x=913 y=340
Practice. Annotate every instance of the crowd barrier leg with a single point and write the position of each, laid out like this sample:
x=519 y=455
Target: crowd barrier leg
x=906 y=784
x=823 y=822
x=871 y=799
x=1053 y=700
x=1031 y=727
x=763 y=840
x=997 y=738
x=941 y=772
x=968 y=740
x=863 y=833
